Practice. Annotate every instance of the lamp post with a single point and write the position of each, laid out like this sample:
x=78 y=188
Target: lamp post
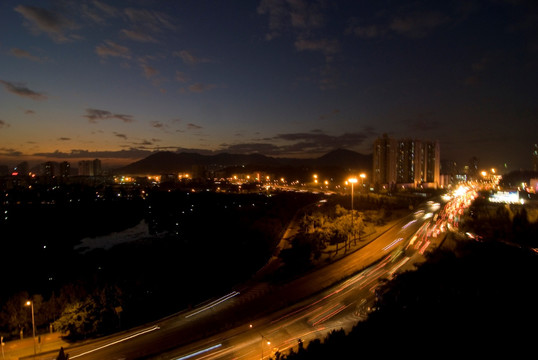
x=352 y=181
x=268 y=343
x=262 y=337
x=31 y=304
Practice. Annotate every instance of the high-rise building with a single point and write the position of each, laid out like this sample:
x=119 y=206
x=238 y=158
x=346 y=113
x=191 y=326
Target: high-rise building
x=89 y=167
x=65 y=169
x=471 y=169
x=47 y=169
x=432 y=162
x=384 y=161
x=406 y=161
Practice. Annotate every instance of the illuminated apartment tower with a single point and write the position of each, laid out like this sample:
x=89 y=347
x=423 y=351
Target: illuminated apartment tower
x=48 y=169
x=89 y=167
x=384 y=161
x=65 y=169
x=406 y=162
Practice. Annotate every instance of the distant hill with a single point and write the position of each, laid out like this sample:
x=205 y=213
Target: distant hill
x=171 y=162
x=345 y=159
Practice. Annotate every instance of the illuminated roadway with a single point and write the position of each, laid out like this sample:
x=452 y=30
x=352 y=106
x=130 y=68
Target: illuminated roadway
x=257 y=321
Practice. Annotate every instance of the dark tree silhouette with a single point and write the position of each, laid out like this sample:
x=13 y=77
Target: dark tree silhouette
x=62 y=355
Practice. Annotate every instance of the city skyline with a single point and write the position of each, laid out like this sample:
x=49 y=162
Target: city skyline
x=118 y=80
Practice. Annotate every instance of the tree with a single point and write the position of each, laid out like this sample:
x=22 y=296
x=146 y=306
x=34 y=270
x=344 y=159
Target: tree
x=80 y=319
x=52 y=309
x=299 y=255
x=15 y=316
x=62 y=355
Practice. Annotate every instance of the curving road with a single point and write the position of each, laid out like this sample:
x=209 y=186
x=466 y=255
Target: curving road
x=259 y=320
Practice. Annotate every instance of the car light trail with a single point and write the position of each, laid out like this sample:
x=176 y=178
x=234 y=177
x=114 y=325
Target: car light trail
x=399 y=265
x=214 y=303
x=370 y=273
x=323 y=312
x=392 y=243
x=119 y=341
x=425 y=246
x=408 y=224
x=199 y=352
x=330 y=315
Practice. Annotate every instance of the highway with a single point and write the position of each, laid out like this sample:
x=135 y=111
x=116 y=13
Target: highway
x=257 y=321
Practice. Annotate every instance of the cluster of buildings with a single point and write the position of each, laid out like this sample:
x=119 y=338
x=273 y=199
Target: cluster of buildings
x=48 y=172
x=52 y=169
x=397 y=164
x=411 y=163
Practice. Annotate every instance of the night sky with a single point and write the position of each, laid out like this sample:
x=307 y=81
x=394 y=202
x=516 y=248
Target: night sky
x=117 y=80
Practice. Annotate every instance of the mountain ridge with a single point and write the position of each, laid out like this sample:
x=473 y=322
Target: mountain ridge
x=172 y=162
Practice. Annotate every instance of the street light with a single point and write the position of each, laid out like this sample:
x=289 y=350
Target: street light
x=363 y=176
x=263 y=338
x=31 y=303
x=352 y=181
x=268 y=343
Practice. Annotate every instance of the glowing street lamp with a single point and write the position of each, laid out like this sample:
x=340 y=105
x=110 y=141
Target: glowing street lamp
x=267 y=342
x=362 y=176
x=31 y=303
x=352 y=181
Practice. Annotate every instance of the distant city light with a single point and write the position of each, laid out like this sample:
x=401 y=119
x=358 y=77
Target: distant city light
x=507 y=197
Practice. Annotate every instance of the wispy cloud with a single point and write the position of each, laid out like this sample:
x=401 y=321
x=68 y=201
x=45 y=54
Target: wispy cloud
x=158 y=124
x=107 y=9
x=199 y=87
x=41 y=20
x=181 y=77
x=144 y=142
x=415 y=23
x=97 y=11
x=80 y=153
x=367 y=31
x=20 y=53
x=305 y=21
x=3 y=124
x=189 y=58
x=149 y=71
x=418 y=24
x=139 y=36
x=192 y=126
x=332 y=114
x=22 y=90
x=154 y=21
x=95 y=115
x=120 y=135
x=10 y=152
x=326 y=46
x=112 y=49
x=299 y=15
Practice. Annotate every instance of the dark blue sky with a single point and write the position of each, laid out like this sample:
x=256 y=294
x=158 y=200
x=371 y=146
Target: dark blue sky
x=119 y=79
